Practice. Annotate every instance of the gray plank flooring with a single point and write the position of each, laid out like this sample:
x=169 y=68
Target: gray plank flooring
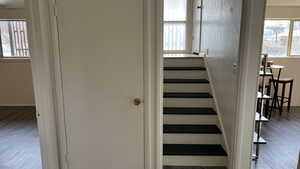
x=283 y=136
x=19 y=141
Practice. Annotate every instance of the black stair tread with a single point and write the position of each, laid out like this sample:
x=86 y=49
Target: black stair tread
x=194 y=167
x=194 y=150
x=192 y=129
x=189 y=111
x=186 y=81
x=186 y=95
x=184 y=68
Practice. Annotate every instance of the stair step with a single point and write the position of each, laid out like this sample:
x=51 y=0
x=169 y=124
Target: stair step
x=188 y=102
x=186 y=95
x=190 y=119
x=193 y=129
x=186 y=87
x=259 y=141
x=185 y=68
x=265 y=97
x=194 y=167
x=192 y=138
x=171 y=160
x=189 y=111
x=183 y=62
x=184 y=74
x=186 y=81
x=260 y=119
x=193 y=150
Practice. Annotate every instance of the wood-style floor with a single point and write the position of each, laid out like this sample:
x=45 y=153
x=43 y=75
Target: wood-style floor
x=19 y=142
x=283 y=136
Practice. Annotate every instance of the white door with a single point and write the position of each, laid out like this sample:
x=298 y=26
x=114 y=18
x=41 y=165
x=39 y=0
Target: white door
x=101 y=50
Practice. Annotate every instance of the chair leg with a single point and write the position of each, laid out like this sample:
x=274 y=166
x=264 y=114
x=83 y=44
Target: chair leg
x=290 y=96
x=273 y=102
x=282 y=99
x=268 y=102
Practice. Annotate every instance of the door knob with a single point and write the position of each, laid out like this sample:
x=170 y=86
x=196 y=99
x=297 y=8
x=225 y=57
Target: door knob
x=137 y=101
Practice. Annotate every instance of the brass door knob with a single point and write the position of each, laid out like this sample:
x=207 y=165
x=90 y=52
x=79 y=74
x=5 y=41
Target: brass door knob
x=137 y=101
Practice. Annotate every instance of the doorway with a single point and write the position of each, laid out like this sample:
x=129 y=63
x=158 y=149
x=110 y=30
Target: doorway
x=19 y=137
x=276 y=141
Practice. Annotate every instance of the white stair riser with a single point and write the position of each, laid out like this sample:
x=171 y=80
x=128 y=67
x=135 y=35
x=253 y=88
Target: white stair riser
x=195 y=160
x=184 y=62
x=178 y=87
x=188 y=102
x=179 y=138
x=188 y=74
x=190 y=119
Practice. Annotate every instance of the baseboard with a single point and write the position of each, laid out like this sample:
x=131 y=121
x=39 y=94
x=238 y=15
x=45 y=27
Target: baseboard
x=17 y=107
x=292 y=108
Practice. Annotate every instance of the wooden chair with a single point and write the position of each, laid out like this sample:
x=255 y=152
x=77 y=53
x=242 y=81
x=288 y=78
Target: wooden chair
x=281 y=99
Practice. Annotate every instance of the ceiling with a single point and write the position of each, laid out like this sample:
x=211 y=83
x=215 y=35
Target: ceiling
x=284 y=2
x=12 y=3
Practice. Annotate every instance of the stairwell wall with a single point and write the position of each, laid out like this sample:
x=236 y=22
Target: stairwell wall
x=221 y=38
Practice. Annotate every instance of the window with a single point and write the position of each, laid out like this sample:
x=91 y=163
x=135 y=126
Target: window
x=175 y=26
x=281 y=38
x=295 y=49
x=14 y=40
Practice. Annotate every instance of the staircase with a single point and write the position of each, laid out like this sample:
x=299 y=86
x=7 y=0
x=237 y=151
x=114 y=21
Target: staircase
x=192 y=138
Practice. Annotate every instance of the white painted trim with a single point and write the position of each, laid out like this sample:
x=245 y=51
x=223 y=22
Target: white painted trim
x=213 y=92
x=250 y=49
x=159 y=82
x=39 y=32
x=153 y=83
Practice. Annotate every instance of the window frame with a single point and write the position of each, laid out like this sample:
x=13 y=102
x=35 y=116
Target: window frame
x=292 y=24
x=290 y=36
x=189 y=30
x=2 y=57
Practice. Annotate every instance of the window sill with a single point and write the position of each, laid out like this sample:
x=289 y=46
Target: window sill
x=284 y=57
x=15 y=59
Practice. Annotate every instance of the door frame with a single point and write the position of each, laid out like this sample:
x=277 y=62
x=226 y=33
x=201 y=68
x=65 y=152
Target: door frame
x=250 y=48
x=46 y=68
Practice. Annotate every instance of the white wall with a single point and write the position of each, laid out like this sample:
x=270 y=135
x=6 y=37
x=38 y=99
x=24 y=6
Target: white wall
x=283 y=12
x=16 y=83
x=292 y=71
x=221 y=36
x=292 y=64
x=284 y=2
x=16 y=86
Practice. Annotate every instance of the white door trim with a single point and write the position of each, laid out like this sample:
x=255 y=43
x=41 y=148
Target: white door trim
x=251 y=43
x=42 y=68
x=153 y=81
x=43 y=38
